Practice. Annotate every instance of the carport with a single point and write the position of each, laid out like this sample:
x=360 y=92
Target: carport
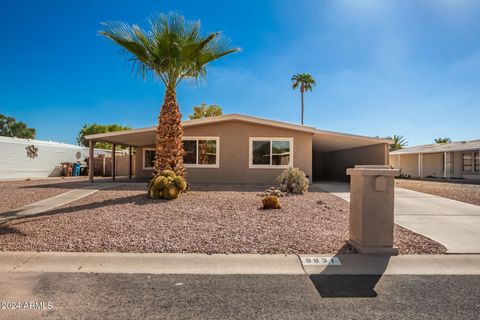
x=334 y=152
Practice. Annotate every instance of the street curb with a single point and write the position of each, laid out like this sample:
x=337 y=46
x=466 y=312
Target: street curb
x=217 y=264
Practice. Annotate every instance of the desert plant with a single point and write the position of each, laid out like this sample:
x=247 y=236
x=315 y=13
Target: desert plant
x=173 y=49
x=293 y=180
x=166 y=186
x=180 y=183
x=271 y=202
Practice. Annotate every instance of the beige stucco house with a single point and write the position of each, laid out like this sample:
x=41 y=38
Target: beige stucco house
x=447 y=160
x=243 y=149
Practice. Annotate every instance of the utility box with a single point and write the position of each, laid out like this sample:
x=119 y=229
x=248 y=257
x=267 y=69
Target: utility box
x=372 y=190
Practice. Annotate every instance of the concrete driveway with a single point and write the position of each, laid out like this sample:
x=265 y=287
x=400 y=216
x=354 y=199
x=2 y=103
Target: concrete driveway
x=454 y=224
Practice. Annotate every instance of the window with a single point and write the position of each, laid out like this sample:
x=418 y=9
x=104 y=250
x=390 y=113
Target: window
x=467 y=162
x=477 y=162
x=201 y=152
x=271 y=152
x=148 y=158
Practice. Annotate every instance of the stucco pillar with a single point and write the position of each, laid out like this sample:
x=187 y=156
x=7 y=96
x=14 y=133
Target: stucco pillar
x=129 y=162
x=114 y=165
x=371 y=209
x=420 y=165
x=91 y=165
x=446 y=165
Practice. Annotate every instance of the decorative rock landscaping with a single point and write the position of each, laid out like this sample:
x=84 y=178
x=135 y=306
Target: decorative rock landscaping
x=207 y=219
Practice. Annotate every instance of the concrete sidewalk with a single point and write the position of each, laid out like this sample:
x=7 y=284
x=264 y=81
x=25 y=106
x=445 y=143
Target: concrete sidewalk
x=221 y=264
x=42 y=206
x=452 y=223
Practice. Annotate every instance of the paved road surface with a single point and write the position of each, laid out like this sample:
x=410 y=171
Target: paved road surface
x=141 y=296
x=454 y=224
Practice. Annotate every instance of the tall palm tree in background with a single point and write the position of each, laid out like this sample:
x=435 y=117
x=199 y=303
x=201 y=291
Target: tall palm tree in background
x=399 y=142
x=443 y=140
x=172 y=50
x=305 y=82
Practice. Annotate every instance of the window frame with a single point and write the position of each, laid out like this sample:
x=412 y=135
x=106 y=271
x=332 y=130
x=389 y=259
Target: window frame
x=144 y=158
x=268 y=166
x=217 y=155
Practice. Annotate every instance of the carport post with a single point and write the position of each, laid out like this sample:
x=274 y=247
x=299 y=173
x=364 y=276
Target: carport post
x=129 y=162
x=371 y=208
x=91 y=166
x=420 y=165
x=113 y=161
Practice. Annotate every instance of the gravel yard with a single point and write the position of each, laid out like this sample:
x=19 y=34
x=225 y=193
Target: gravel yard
x=16 y=194
x=208 y=219
x=469 y=193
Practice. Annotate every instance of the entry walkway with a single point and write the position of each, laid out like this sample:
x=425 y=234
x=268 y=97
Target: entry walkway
x=42 y=206
x=454 y=224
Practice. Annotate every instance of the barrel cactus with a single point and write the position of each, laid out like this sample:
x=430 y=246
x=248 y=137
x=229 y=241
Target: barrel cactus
x=166 y=186
x=271 y=202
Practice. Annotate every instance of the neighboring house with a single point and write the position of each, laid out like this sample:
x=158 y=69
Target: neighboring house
x=243 y=149
x=28 y=158
x=445 y=160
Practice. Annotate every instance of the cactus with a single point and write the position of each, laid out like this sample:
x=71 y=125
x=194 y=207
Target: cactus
x=293 y=180
x=168 y=174
x=271 y=202
x=180 y=183
x=166 y=186
x=160 y=183
x=170 y=192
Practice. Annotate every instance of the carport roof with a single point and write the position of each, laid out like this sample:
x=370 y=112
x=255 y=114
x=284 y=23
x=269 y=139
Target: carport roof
x=472 y=145
x=322 y=139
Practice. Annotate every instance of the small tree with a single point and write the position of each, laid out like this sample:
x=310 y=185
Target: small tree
x=95 y=129
x=443 y=140
x=9 y=127
x=204 y=111
x=399 y=142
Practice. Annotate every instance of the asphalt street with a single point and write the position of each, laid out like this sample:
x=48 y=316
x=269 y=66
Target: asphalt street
x=142 y=296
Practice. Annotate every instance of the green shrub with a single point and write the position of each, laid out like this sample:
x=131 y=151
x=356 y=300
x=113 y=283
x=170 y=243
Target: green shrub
x=293 y=180
x=271 y=202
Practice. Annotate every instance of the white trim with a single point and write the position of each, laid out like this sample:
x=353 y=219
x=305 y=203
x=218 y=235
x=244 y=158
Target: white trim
x=217 y=155
x=270 y=166
x=143 y=156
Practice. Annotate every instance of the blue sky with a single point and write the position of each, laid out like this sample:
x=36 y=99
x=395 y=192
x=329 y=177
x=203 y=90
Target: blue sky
x=382 y=67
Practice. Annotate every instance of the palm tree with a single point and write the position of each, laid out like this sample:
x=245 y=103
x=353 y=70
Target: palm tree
x=305 y=81
x=399 y=142
x=172 y=50
x=443 y=140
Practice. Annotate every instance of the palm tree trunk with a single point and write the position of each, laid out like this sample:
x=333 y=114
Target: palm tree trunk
x=169 y=146
x=302 y=106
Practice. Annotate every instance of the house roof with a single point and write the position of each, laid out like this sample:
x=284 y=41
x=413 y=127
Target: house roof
x=336 y=140
x=472 y=145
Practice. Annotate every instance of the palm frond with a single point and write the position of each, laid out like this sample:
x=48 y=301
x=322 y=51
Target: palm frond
x=172 y=48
